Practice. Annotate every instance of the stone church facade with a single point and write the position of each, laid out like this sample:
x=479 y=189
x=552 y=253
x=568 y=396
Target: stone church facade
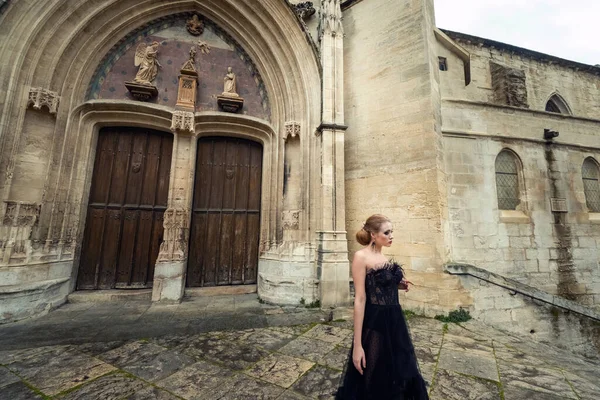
x=175 y=145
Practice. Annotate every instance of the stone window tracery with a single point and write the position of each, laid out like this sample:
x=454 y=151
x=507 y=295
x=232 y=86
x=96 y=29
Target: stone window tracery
x=507 y=180
x=591 y=184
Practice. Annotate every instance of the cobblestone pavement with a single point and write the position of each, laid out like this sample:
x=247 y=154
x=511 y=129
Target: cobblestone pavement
x=232 y=347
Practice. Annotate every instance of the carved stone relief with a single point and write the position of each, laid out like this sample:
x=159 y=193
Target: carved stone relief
x=174 y=246
x=195 y=25
x=183 y=121
x=146 y=59
x=291 y=220
x=39 y=97
x=230 y=100
x=18 y=220
x=292 y=128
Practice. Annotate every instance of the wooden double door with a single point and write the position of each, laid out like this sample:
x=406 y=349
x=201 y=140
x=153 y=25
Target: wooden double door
x=128 y=197
x=225 y=229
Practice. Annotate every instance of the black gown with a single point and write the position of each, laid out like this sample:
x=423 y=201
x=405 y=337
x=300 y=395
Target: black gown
x=392 y=372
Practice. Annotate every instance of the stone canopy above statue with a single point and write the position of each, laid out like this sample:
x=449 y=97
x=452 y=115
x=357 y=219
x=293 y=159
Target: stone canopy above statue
x=173 y=39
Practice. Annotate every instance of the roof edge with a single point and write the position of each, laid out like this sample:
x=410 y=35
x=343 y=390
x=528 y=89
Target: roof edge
x=542 y=57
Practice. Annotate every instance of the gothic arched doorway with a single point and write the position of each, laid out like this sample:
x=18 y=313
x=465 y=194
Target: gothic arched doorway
x=128 y=197
x=224 y=235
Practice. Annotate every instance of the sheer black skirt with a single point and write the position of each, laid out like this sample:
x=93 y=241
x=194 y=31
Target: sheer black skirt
x=392 y=372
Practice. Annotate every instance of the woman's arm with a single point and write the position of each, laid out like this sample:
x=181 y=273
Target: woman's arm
x=359 y=270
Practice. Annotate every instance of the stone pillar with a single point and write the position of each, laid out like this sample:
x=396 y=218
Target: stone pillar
x=332 y=246
x=171 y=265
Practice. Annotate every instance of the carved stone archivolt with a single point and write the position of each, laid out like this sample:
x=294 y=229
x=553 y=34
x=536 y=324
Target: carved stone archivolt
x=176 y=227
x=292 y=128
x=40 y=97
x=183 y=121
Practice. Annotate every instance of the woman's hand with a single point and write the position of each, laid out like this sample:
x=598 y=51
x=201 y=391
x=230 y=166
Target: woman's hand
x=403 y=285
x=358 y=358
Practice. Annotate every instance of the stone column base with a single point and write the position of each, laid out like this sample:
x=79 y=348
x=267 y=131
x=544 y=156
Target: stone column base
x=169 y=281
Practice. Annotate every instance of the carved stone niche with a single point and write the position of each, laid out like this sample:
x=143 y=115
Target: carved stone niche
x=292 y=128
x=176 y=226
x=40 y=97
x=304 y=9
x=183 y=121
x=509 y=85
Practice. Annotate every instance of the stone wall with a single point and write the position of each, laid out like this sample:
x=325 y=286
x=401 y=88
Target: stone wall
x=577 y=84
x=394 y=149
x=557 y=252
x=529 y=318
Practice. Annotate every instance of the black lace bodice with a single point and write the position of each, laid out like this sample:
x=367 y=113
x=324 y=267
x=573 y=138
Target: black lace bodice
x=381 y=284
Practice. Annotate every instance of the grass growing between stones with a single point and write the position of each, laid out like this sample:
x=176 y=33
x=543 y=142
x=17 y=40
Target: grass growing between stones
x=456 y=316
x=499 y=383
x=437 y=358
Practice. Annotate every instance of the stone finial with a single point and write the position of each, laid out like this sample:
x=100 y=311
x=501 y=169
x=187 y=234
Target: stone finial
x=331 y=18
x=304 y=9
x=39 y=97
x=292 y=128
x=183 y=121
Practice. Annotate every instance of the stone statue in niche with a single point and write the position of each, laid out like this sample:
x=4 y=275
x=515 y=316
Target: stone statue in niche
x=146 y=58
x=229 y=100
x=230 y=84
x=195 y=25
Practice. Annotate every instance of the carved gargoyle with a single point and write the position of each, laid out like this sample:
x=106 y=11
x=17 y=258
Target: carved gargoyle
x=304 y=10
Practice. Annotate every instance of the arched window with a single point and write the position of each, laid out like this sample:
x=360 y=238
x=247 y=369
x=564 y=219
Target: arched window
x=507 y=180
x=557 y=104
x=591 y=184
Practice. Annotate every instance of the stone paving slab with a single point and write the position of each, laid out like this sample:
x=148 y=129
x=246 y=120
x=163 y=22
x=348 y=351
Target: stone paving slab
x=293 y=354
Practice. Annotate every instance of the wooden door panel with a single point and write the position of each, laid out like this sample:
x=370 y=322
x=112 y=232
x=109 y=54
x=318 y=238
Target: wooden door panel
x=226 y=213
x=128 y=197
x=127 y=247
x=110 y=250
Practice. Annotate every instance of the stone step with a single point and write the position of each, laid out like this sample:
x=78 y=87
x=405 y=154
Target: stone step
x=99 y=296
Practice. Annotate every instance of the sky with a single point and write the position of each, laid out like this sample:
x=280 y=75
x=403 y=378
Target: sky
x=566 y=29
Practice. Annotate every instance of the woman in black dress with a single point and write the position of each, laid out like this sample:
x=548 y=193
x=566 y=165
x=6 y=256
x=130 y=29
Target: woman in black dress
x=382 y=364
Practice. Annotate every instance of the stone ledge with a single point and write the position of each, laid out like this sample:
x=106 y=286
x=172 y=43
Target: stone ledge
x=98 y=296
x=33 y=299
x=514 y=217
x=518 y=287
x=219 y=290
x=31 y=288
x=594 y=218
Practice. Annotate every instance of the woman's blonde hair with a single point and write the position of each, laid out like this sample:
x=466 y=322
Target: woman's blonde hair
x=373 y=225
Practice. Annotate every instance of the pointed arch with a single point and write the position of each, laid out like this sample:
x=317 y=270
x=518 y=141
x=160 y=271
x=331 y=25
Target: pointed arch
x=590 y=173
x=509 y=182
x=557 y=104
